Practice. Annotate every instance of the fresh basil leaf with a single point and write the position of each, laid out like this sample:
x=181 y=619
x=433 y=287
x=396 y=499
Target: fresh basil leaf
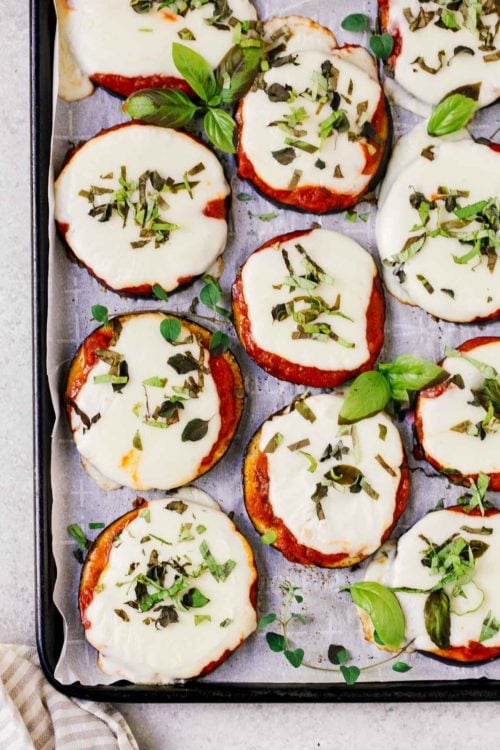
x=210 y=294
x=238 y=68
x=170 y=329
x=195 y=430
x=438 y=618
x=369 y=394
x=381 y=45
x=451 y=114
x=275 y=641
x=169 y=109
x=220 y=128
x=195 y=69
x=356 y=22
x=219 y=343
x=410 y=373
x=383 y=608
x=295 y=657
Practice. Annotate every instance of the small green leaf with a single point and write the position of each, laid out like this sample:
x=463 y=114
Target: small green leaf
x=100 y=314
x=244 y=197
x=269 y=537
x=267 y=620
x=237 y=70
x=210 y=294
x=350 y=674
x=170 y=329
x=195 y=430
x=451 y=114
x=219 y=343
x=137 y=442
x=160 y=293
x=275 y=642
x=337 y=654
x=401 y=666
x=220 y=129
x=195 y=69
x=194 y=599
x=410 y=373
x=369 y=394
x=155 y=382
x=383 y=608
x=356 y=22
x=295 y=657
x=381 y=45
x=76 y=532
x=437 y=616
x=169 y=109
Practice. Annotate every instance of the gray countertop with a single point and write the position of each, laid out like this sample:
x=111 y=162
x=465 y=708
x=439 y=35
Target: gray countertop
x=183 y=727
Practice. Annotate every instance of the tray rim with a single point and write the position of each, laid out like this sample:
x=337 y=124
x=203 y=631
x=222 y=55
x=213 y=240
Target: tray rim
x=48 y=619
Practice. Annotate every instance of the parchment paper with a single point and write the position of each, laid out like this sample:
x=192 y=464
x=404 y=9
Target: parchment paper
x=77 y=499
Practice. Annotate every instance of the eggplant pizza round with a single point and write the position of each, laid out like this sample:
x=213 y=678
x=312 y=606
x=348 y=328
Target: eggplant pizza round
x=150 y=405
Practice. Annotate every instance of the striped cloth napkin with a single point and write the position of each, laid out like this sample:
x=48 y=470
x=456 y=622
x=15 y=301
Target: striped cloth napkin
x=34 y=716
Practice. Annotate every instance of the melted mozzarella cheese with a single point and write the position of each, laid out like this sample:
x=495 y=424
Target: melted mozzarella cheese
x=353 y=272
x=146 y=653
x=165 y=461
x=468 y=454
x=299 y=33
x=354 y=523
x=457 y=69
x=403 y=567
x=105 y=247
x=111 y=38
x=457 y=165
x=259 y=140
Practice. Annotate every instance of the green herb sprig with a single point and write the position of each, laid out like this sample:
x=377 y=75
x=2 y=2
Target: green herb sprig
x=229 y=82
x=338 y=656
x=380 y=44
x=390 y=383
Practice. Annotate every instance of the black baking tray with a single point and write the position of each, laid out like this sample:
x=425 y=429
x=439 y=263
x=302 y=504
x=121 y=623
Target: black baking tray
x=49 y=624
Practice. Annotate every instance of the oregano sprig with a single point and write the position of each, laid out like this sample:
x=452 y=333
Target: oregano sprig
x=380 y=44
x=338 y=655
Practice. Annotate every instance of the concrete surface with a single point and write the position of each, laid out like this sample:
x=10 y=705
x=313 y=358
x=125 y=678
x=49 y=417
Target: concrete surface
x=197 y=727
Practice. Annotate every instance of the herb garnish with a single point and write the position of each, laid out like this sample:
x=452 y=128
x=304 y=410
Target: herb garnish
x=143 y=200
x=229 y=82
x=372 y=391
x=338 y=656
x=380 y=44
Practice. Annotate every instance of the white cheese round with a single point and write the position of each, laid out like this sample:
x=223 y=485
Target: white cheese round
x=455 y=70
x=344 y=160
x=110 y=38
x=354 y=523
x=466 y=453
x=111 y=445
x=472 y=289
x=404 y=568
x=132 y=648
x=105 y=247
x=352 y=273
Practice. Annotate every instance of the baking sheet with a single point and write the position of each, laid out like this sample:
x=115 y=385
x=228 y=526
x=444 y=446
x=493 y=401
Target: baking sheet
x=76 y=498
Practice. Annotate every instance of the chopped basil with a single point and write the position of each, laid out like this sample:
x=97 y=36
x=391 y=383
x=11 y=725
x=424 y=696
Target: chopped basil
x=269 y=537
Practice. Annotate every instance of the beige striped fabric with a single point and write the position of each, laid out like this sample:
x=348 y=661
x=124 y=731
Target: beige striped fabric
x=34 y=716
